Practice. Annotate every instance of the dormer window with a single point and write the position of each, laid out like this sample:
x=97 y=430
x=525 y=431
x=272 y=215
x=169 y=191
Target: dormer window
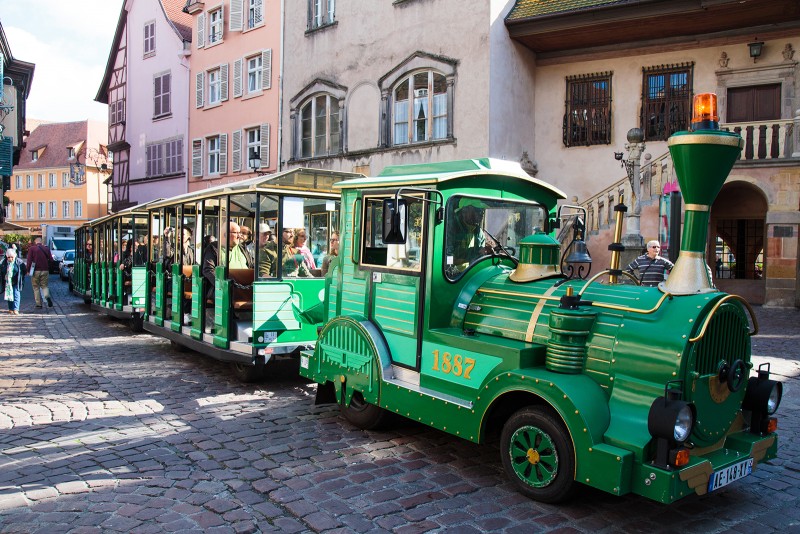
x=70 y=152
x=34 y=155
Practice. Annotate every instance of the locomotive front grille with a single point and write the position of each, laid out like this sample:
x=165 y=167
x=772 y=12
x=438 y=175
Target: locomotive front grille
x=726 y=339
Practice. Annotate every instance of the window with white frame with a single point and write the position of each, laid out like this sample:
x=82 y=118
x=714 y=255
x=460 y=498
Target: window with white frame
x=254 y=66
x=70 y=152
x=29 y=181
x=19 y=210
x=214 y=87
x=65 y=209
x=254 y=13
x=29 y=210
x=320 y=134
x=34 y=155
x=18 y=182
x=420 y=108
x=162 y=94
x=52 y=180
x=41 y=211
x=215 y=26
x=213 y=153
x=78 y=208
x=321 y=13
x=40 y=180
x=149 y=38
x=64 y=179
x=52 y=209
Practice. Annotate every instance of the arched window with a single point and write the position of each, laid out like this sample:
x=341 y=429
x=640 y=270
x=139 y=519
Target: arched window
x=419 y=108
x=320 y=133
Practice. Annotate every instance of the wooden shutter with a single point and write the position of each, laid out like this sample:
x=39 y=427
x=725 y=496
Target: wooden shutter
x=236 y=166
x=156 y=95
x=223 y=82
x=237 y=78
x=266 y=69
x=223 y=153
x=236 y=16
x=265 y=146
x=166 y=93
x=201 y=30
x=197 y=157
x=198 y=89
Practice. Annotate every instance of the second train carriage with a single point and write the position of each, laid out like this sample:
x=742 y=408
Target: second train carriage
x=181 y=268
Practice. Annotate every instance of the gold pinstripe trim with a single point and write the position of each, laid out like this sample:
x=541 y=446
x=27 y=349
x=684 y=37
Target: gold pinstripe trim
x=537 y=311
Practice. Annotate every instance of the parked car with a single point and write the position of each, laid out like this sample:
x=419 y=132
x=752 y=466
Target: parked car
x=65 y=265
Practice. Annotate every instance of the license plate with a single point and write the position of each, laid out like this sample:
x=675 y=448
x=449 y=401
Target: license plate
x=723 y=477
x=270 y=337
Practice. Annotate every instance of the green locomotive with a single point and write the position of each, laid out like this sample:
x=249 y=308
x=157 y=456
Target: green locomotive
x=448 y=307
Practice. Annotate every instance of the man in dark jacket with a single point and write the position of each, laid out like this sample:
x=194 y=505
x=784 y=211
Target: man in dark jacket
x=38 y=266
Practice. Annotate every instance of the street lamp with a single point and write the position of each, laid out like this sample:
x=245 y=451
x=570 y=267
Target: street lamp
x=255 y=163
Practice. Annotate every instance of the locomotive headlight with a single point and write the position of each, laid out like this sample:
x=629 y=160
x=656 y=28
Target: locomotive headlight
x=762 y=399
x=683 y=423
x=670 y=422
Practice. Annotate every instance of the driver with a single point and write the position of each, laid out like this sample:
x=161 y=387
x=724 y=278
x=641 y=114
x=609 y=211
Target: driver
x=466 y=238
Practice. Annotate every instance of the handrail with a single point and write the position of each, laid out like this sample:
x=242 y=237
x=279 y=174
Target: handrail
x=719 y=303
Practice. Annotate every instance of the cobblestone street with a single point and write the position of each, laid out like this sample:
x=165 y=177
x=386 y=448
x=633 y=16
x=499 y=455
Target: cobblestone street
x=103 y=430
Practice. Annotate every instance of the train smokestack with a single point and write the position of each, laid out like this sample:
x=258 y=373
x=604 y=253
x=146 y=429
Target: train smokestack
x=703 y=158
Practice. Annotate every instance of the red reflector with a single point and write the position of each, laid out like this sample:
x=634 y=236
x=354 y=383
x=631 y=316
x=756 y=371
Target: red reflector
x=772 y=425
x=681 y=457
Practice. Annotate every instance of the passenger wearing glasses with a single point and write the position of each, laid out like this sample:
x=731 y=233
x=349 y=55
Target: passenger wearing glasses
x=650 y=265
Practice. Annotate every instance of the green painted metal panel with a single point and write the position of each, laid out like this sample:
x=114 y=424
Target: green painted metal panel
x=273 y=307
x=139 y=287
x=197 y=303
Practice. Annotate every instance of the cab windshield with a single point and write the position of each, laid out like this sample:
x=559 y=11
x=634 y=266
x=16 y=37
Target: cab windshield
x=475 y=227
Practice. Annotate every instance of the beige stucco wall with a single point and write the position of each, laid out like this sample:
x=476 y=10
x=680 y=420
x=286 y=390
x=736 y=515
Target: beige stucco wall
x=370 y=39
x=583 y=171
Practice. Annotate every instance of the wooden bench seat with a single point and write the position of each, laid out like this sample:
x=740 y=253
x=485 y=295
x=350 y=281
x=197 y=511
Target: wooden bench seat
x=242 y=299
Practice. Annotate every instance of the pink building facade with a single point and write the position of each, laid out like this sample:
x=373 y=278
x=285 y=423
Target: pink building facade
x=234 y=94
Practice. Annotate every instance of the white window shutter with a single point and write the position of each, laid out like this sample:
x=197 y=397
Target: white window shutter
x=236 y=165
x=223 y=153
x=197 y=157
x=237 y=78
x=201 y=30
x=236 y=16
x=265 y=146
x=266 y=69
x=222 y=21
x=198 y=89
x=223 y=82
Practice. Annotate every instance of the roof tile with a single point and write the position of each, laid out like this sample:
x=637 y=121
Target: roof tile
x=535 y=8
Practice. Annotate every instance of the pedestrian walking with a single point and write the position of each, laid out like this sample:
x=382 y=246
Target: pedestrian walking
x=12 y=278
x=39 y=258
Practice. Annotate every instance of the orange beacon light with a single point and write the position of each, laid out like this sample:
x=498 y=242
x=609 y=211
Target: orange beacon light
x=705 y=115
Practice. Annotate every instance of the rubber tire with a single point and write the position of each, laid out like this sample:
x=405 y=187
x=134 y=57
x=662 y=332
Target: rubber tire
x=248 y=373
x=177 y=346
x=137 y=324
x=364 y=415
x=524 y=427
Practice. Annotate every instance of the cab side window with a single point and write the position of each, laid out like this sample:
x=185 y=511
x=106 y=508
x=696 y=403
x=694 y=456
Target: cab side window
x=405 y=256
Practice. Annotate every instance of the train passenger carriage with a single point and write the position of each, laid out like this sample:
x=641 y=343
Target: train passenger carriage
x=221 y=280
x=449 y=306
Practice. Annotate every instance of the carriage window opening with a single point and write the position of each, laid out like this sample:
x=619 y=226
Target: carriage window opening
x=267 y=238
x=375 y=252
x=476 y=226
x=304 y=237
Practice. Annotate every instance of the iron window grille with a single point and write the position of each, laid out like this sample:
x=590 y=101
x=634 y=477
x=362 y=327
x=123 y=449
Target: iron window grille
x=587 y=119
x=666 y=100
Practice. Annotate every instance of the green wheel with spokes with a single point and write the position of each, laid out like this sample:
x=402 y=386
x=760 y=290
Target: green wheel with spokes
x=538 y=455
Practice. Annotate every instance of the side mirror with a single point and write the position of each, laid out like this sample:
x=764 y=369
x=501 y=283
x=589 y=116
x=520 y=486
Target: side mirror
x=395 y=222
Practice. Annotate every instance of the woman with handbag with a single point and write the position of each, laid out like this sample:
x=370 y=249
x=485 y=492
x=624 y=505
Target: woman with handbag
x=12 y=278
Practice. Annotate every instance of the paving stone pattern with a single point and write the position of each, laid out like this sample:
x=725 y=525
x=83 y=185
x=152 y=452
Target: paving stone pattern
x=103 y=430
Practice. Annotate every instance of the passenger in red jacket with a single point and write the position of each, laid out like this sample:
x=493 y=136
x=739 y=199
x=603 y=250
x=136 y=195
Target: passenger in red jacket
x=38 y=267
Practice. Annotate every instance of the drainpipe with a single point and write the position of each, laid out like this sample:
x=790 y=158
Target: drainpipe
x=280 y=91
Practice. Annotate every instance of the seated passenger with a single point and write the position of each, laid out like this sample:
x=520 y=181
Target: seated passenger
x=466 y=239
